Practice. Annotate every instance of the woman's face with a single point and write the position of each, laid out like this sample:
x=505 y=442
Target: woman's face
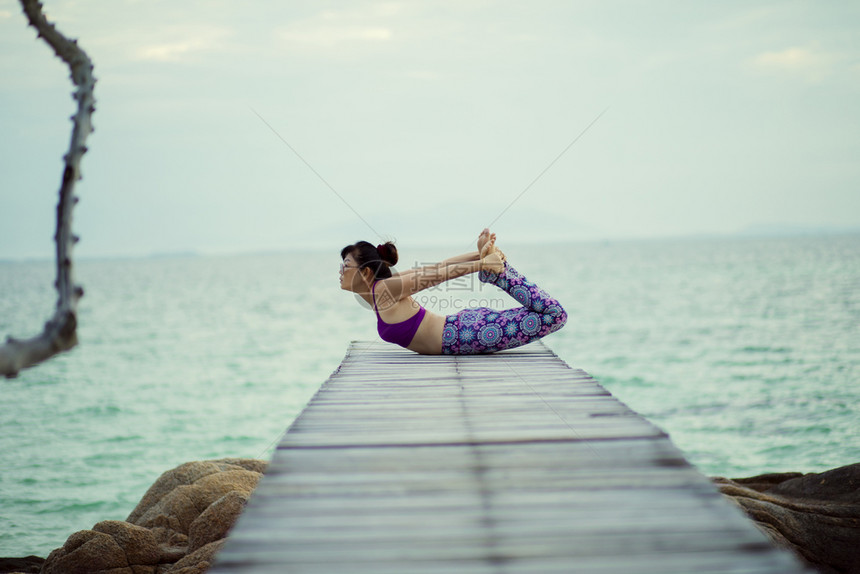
x=349 y=275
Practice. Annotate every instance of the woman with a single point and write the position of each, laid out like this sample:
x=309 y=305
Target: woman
x=366 y=271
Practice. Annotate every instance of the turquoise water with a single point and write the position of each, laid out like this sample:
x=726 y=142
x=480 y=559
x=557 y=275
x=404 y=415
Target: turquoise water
x=745 y=351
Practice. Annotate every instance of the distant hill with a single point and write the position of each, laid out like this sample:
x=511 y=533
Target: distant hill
x=774 y=230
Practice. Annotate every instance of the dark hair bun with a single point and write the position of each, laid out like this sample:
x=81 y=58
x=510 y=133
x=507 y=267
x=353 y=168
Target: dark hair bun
x=388 y=252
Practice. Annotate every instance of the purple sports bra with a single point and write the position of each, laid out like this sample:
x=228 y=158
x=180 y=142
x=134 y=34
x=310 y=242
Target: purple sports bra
x=398 y=333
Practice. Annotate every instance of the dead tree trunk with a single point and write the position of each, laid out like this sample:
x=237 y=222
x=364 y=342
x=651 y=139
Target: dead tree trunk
x=60 y=332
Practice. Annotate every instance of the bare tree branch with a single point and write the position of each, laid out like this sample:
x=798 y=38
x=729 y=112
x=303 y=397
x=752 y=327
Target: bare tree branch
x=59 y=333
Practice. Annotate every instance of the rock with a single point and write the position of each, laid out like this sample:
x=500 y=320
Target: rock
x=189 y=473
x=87 y=552
x=176 y=528
x=817 y=516
x=171 y=554
x=199 y=561
x=139 y=544
x=214 y=522
x=764 y=482
x=28 y=565
x=180 y=495
x=120 y=547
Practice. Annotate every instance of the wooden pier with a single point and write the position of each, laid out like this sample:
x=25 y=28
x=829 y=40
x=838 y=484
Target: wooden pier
x=506 y=463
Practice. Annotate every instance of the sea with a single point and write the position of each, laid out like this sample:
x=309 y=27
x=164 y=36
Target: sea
x=745 y=350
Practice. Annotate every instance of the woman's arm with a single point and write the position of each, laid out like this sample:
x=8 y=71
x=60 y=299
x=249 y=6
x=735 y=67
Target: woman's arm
x=464 y=258
x=439 y=267
x=415 y=280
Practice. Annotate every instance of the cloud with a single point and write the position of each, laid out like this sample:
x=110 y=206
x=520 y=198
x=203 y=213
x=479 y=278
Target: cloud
x=5 y=14
x=423 y=75
x=333 y=36
x=167 y=52
x=811 y=64
x=792 y=58
x=201 y=39
x=364 y=24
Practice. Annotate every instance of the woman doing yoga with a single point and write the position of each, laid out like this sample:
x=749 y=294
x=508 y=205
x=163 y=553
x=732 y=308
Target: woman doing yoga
x=401 y=320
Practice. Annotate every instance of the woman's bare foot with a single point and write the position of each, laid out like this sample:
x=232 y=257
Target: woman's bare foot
x=483 y=238
x=492 y=259
x=486 y=237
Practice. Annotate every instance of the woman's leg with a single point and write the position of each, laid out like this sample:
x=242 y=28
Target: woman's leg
x=485 y=330
x=460 y=335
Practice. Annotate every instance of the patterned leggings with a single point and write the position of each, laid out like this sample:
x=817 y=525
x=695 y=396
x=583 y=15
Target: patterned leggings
x=484 y=330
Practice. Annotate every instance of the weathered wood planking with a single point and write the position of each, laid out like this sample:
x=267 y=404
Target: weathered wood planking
x=506 y=463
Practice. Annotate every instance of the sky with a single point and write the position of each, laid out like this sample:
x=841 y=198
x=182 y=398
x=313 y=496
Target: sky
x=226 y=127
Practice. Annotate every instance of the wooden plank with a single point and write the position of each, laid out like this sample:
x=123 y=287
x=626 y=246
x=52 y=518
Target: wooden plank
x=486 y=464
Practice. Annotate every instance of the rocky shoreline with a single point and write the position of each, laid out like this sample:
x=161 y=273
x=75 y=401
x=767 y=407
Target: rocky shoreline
x=183 y=519
x=178 y=526
x=816 y=516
